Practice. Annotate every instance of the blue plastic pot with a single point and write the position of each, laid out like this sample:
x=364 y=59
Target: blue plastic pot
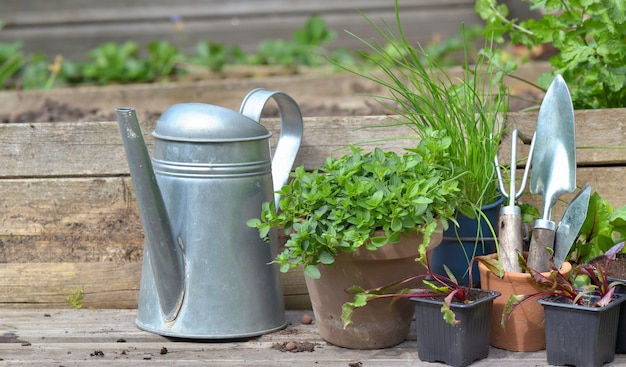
x=460 y=244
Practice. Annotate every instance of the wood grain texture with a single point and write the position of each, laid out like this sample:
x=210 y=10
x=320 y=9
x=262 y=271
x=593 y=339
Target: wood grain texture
x=61 y=337
x=538 y=256
x=70 y=149
x=23 y=12
x=73 y=27
x=104 y=284
x=112 y=284
x=510 y=241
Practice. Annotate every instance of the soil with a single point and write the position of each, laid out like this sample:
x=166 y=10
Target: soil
x=55 y=111
x=617 y=267
x=474 y=295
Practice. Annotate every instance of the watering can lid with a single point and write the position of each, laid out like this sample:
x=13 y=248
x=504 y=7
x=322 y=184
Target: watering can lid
x=201 y=122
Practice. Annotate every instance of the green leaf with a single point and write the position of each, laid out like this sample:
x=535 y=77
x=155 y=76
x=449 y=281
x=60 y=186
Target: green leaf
x=284 y=268
x=513 y=301
x=588 y=36
x=492 y=264
x=436 y=288
x=354 y=289
x=254 y=222
x=581 y=281
x=312 y=271
x=396 y=225
x=616 y=10
x=360 y=300
x=326 y=258
x=378 y=241
x=374 y=200
x=618 y=219
x=449 y=274
x=448 y=314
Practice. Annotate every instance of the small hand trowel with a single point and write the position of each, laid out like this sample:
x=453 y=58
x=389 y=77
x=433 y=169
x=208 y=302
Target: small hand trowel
x=570 y=225
x=554 y=166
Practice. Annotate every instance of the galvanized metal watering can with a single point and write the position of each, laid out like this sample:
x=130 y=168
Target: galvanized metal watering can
x=205 y=274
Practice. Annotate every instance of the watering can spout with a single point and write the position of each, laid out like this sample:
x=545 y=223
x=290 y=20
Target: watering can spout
x=165 y=255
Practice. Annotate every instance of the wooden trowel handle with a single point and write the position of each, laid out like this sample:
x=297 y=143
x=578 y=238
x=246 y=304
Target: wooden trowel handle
x=510 y=240
x=538 y=255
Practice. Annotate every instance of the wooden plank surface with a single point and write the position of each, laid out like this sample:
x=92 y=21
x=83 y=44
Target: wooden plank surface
x=103 y=284
x=72 y=27
x=27 y=12
x=96 y=219
x=53 y=337
x=87 y=149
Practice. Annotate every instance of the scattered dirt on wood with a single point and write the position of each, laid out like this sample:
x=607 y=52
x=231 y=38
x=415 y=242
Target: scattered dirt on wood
x=294 y=347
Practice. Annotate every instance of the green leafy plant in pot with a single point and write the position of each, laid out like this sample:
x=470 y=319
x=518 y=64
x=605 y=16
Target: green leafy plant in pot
x=358 y=211
x=581 y=311
x=469 y=105
x=466 y=320
x=604 y=227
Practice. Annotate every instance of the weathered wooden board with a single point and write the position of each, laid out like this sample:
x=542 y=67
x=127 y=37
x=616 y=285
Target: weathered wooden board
x=95 y=219
x=94 y=149
x=73 y=27
x=104 y=284
x=52 y=337
x=113 y=284
x=25 y=12
x=53 y=220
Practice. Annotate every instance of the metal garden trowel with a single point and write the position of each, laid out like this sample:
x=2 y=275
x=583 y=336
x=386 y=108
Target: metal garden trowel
x=554 y=166
x=570 y=225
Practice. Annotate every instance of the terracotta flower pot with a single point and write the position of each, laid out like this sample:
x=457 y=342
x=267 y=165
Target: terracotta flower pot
x=380 y=324
x=524 y=331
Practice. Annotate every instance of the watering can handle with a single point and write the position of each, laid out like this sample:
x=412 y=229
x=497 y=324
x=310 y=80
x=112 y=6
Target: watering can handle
x=291 y=127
